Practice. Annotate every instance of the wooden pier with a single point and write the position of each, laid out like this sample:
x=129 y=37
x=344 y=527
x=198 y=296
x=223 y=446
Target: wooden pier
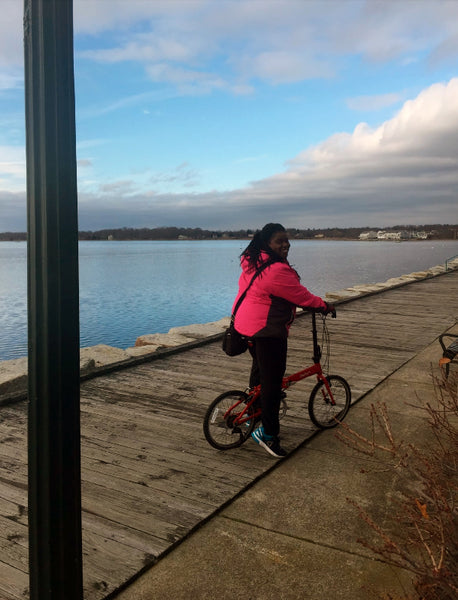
x=148 y=475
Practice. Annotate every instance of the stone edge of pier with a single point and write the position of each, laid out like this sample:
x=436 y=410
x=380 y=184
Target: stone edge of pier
x=102 y=359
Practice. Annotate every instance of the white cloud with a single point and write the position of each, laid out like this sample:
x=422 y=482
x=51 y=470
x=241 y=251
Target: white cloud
x=301 y=37
x=84 y=162
x=117 y=188
x=95 y=16
x=12 y=168
x=92 y=143
x=125 y=102
x=184 y=175
x=283 y=66
x=409 y=161
x=279 y=42
x=382 y=31
x=369 y=103
x=11 y=47
x=11 y=79
x=144 y=49
x=184 y=78
x=405 y=171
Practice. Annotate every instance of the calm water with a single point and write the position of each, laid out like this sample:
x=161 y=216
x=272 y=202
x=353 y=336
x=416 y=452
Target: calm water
x=132 y=288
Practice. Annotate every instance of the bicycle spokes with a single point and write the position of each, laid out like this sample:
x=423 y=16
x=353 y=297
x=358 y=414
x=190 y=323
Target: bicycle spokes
x=229 y=420
x=329 y=401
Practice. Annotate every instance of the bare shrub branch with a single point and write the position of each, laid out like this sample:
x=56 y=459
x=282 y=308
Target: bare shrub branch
x=423 y=528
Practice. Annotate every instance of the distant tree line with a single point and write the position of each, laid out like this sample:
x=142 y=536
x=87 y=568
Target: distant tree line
x=444 y=232
x=158 y=233
x=12 y=236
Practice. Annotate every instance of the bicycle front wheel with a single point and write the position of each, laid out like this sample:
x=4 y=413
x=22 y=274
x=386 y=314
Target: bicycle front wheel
x=326 y=411
x=220 y=427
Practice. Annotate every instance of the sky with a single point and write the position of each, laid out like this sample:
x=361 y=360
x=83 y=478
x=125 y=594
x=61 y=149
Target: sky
x=228 y=114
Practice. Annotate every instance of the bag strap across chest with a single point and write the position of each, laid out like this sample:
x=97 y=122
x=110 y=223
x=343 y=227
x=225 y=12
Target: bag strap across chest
x=242 y=297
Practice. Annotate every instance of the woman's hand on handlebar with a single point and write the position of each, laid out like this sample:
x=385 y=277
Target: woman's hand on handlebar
x=330 y=309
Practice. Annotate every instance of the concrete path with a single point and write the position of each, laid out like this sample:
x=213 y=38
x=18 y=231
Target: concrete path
x=293 y=534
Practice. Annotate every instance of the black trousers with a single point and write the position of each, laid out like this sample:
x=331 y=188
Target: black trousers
x=268 y=369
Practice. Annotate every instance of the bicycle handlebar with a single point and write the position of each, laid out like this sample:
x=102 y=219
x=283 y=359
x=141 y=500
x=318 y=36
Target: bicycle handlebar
x=331 y=310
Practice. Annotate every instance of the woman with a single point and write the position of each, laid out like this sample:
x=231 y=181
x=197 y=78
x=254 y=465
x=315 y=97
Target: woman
x=265 y=316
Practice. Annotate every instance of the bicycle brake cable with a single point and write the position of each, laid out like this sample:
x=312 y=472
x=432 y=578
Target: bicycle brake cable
x=325 y=345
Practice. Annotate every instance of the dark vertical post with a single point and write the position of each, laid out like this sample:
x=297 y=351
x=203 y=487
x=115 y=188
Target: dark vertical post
x=53 y=304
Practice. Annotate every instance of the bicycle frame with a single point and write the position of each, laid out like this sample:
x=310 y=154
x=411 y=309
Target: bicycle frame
x=287 y=382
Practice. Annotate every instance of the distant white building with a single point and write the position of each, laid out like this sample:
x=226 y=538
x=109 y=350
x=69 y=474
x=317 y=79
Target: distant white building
x=420 y=235
x=393 y=235
x=368 y=235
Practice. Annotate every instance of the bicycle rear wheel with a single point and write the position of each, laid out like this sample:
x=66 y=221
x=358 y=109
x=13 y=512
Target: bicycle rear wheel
x=220 y=429
x=324 y=411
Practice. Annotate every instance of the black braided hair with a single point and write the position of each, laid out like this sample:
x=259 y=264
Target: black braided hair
x=260 y=243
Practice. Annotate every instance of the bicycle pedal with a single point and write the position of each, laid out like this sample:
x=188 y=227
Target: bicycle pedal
x=283 y=409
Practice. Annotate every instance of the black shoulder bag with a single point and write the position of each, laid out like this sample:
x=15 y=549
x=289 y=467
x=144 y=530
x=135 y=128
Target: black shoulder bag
x=234 y=343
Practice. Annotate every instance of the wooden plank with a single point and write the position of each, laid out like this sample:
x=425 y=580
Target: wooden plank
x=100 y=553
x=14 y=583
x=195 y=484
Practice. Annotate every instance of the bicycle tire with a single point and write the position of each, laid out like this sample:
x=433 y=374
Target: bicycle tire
x=322 y=413
x=218 y=428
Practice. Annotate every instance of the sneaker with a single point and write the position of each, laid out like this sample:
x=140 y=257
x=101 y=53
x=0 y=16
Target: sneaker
x=270 y=443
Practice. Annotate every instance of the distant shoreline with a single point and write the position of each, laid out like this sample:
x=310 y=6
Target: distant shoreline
x=247 y=239
x=242 y=239
x=169 y=234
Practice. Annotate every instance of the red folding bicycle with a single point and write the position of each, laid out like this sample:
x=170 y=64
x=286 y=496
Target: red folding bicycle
x=232 y=416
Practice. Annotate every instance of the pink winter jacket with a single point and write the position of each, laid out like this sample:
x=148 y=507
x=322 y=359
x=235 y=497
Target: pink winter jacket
x=269 y=306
